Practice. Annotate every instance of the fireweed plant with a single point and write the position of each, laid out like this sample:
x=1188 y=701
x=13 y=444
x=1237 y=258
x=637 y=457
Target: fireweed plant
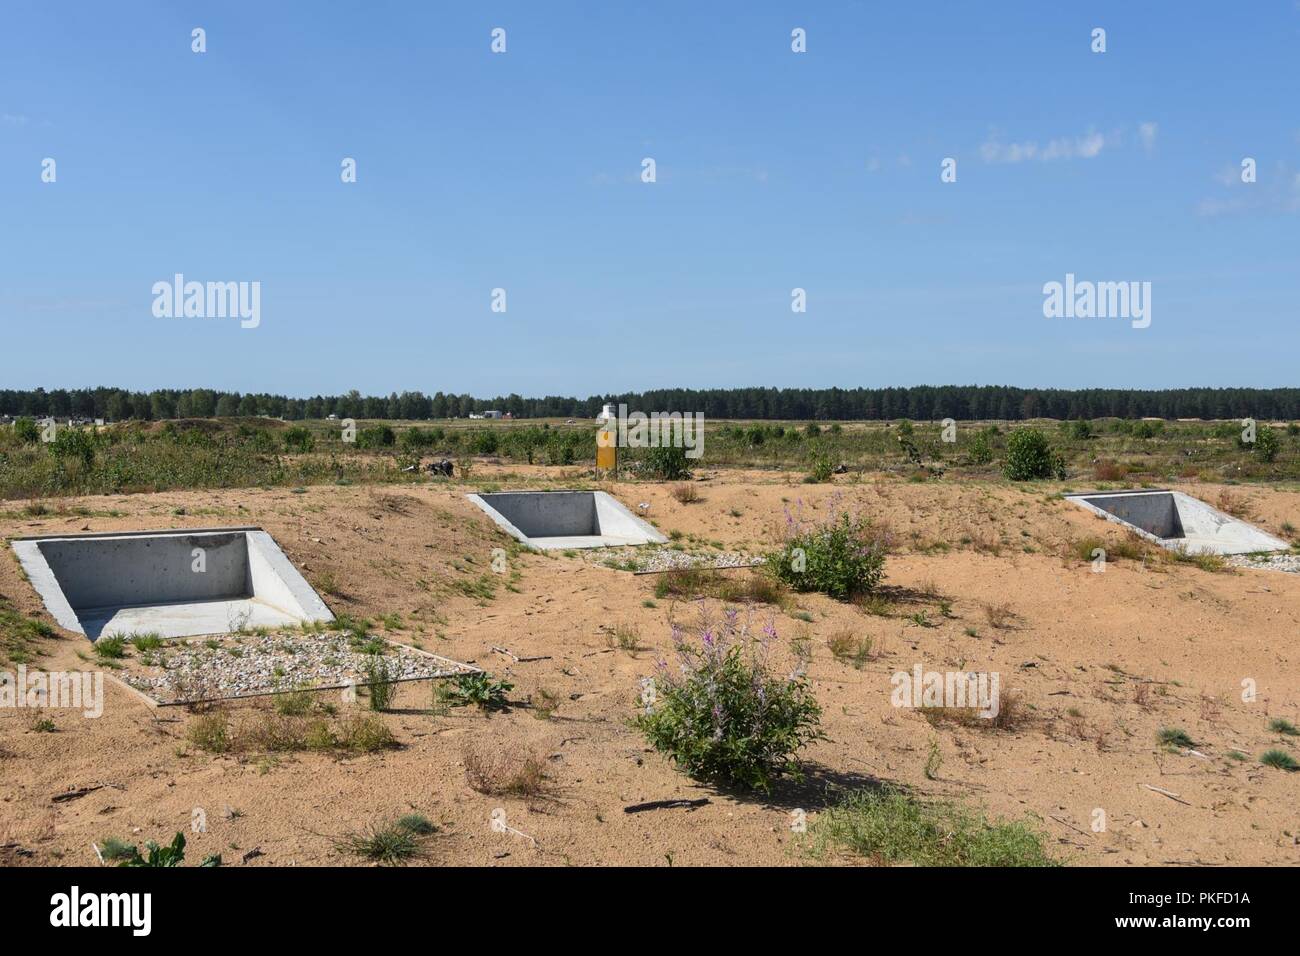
x=843 y=555
x=722 y=712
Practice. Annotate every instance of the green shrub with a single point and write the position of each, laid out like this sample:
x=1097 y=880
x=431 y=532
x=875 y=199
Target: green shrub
x=377 y=436
x=477 y=690
x=388 y=843
x=110 y=648
x=1267 y=444
x=981 y=447
x=74 y=443
x=820 y=468
x=666 y=463
x=842 y=557
x=298 y=439
x=165 y=856
x=1030 y=456
x=724 y=715
x=888 y=825
x=1279 y=759
x=484 y=442
x=379 y=678
x=27 y=431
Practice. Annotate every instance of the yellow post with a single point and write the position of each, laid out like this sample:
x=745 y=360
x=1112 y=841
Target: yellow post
x=606 y=451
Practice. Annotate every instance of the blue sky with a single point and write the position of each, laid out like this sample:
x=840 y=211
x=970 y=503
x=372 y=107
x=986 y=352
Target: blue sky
x=522 y=170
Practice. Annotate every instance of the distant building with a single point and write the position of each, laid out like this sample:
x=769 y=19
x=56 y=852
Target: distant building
x=492 y=414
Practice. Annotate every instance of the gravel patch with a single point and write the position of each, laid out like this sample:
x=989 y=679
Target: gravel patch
x=1272 y=562
x=242 y=665
x=642 y=560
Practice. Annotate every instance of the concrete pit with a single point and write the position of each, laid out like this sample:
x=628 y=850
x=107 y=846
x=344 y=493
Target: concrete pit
x=169 y=583
x=1179 y=522
x=553 y=520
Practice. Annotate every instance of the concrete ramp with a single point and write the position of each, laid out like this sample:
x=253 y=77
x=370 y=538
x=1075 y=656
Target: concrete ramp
x=1179 y=522
x=170 y=583
x=554 y=520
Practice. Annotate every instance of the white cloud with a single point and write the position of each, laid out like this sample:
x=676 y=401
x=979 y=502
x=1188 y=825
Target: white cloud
x=1087 y=146
x=1147 y=134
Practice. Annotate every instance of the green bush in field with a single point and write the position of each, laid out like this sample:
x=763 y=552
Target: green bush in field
x=377 y=436
x=667 y=463
x=1267 y=444
x=298 y=439
x=1030 y=456
x=27 y=431
x=485 y=442
x=724 y=713
x=981 y=447
x=74 y=443
x=842 y=557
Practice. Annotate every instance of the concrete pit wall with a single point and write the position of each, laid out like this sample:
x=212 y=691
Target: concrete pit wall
x=1179 y=522
x=172 y=583
x=551 y=520
x=1156 y=514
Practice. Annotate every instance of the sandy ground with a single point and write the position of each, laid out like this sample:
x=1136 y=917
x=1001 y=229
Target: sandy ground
x=1080 y=647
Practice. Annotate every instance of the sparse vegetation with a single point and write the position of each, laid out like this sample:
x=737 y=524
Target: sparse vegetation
x=1280 y=725
x=890 y=826
x=1279 y=759
x=506 y=771
x=478 y=690
x=1175 y=737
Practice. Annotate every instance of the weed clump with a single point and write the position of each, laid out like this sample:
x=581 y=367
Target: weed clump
x=723 y=714
x=843 y=556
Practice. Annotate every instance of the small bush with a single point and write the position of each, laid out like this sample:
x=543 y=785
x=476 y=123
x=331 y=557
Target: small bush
x=164 y=856
x=294 y=703
x=981 y=447
x=365 y=734
x=27 y=431
x=1267 y=444
x=888 y=826
x=686 y=493
x=111 y=648
x=820 y=469
x=299 y=440
x=379 y=678
x=75 y=443
x=478 y=690
x=387 y=843
x=210 y=732
x=666 y=463
x=377 y=436
x=1030 y=456
x=115 y=851
x=724 y=715
x=1173 y=737
x=843 y=557
x=1279 y=759
x=1280 y=725
x=147 y=642
x=1000 y=616
x=510 y=772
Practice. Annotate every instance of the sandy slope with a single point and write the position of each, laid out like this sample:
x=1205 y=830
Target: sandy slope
x=1081 y=644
